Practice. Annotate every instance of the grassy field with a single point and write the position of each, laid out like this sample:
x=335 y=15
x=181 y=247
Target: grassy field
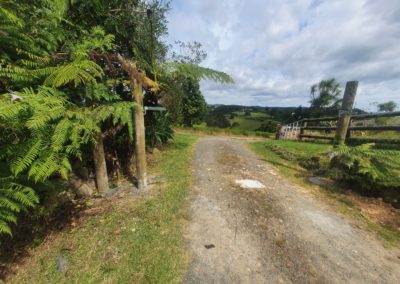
x=251 y=122
x=203 y=129
x=336 y=196
x=133 y=240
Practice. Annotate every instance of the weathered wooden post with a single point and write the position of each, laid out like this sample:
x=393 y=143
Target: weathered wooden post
x=100 y=164
x=302 y=126
x=345 y=112
x=140 y=144
x=278 y=132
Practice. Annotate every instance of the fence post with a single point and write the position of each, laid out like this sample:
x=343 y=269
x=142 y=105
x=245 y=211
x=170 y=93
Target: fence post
x=278 y=131
x=345 y=112
x=140 y=143
x=302 y=126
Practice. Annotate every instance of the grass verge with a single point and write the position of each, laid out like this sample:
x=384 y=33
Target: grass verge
x=133 y=240
x=335 y=195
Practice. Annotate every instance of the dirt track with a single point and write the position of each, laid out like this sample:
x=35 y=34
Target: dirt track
x=279 y=234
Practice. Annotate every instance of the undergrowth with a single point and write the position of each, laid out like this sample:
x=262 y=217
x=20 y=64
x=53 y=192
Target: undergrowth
x=134 y=240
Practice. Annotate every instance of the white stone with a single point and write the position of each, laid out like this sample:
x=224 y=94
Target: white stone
x=249 y=183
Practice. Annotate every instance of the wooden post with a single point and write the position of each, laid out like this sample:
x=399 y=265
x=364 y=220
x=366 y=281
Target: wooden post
x=140 y=144
x=345 y=112
x=303 y=125
x=278 y=132
x=137 y=95
x=100 y=164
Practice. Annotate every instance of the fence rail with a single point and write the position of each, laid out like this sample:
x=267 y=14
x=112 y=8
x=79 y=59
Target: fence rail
x=296 y=130
x=343 y=126
x=355 y=117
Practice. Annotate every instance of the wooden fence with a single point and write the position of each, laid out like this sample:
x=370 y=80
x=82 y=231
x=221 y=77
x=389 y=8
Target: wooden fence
x=297 y=130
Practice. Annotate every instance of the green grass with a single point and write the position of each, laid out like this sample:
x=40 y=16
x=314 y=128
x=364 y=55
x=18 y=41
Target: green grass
x=289 y=168
x=246 y=123
x=298 y=175
x=136 y=240
x=202 y=129
x=300 y=149
x=252 y=122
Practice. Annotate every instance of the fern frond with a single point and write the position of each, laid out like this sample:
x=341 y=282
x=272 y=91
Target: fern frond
x=100 y=92
x=121 y=113
x=7 y=216
x=26 y=154
x=76 y=72
x=43 y=167
x=197 y=72
x=96 y=40
x=5 y=228
x=14 y=198
x=9 y=16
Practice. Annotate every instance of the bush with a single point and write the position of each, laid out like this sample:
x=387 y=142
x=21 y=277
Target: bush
x=217 y=120
x=268 y=126
x=158 y=129
x=235 y=124
x=366 y=167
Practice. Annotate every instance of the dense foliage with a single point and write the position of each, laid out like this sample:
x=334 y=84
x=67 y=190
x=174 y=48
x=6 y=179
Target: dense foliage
x=194 y=107
x=387 y=106
x=67 y=73
x=325 y=98
x=366 y=167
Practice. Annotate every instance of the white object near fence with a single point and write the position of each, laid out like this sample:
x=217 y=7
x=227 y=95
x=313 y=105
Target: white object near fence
x=290 y=131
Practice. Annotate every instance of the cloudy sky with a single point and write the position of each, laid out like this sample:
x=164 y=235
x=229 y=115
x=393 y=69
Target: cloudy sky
x=275 y=49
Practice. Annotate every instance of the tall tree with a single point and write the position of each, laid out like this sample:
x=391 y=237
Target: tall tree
x=387 y=106
x=325 y=97
x=194 y=106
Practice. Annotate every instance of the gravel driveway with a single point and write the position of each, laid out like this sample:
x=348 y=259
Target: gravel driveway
x=276 y=234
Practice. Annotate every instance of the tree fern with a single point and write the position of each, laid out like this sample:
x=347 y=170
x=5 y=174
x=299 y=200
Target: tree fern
x=366 y=165
x=197 y=72
x=77 y=72
x=51 y=126
x=14 y=198
x=120 y=113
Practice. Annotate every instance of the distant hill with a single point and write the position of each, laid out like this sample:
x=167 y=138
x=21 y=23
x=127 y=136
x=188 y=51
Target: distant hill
x=258 y=117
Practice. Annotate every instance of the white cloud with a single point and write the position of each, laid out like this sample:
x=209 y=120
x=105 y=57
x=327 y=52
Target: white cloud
x=276 y=49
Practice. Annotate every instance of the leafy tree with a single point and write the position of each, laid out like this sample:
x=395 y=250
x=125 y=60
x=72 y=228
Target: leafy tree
x=194 y=106
x=387 y=106
x=325 y=97
x=268 y=126
x=68 y=74
x=217 y=120
x=299 y=113
x=189 y=52
x=46 y=127
x=178 y=74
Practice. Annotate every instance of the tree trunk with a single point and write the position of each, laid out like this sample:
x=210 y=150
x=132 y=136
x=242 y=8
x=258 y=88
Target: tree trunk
x=140 y=144
x=100 y=164
x=345 y=112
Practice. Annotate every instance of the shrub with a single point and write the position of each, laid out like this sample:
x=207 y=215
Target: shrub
x=365 y=166
x=268 y=126
x=158 y=129
x=217 y=120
